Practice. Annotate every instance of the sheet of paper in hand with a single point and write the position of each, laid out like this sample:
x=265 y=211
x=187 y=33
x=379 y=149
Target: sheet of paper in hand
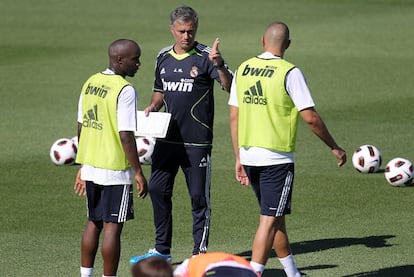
x=154 y=125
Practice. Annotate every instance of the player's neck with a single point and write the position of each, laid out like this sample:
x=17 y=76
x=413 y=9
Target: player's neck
x=116 y=72
x=178 y=50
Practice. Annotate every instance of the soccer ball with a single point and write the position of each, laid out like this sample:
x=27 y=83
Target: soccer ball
x=145 y=148
x=399 y=172
x=366 y=159
x=63 y=152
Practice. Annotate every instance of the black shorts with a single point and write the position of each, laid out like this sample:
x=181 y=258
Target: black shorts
x=109 y=203
x=273 y=187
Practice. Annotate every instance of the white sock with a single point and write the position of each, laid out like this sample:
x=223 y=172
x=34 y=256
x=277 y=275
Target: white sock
x=289 y=266
x=257 y=267
x=86 y=271
x=108 y=276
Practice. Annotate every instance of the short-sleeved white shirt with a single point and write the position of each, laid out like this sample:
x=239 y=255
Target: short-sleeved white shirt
x=299 y=93
x=127 y=121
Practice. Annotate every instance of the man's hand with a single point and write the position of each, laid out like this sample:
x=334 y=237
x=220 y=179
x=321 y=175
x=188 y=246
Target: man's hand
x=142 y=185
x=215 y=55
x=157 y=101
x=340 y=154
x=80 y=185
x=148 y=109
x=241 y=175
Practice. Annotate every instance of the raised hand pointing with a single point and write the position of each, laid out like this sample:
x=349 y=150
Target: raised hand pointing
x=215 y=55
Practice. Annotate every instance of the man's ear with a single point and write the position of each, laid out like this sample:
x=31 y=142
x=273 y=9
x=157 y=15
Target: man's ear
x=287 y=44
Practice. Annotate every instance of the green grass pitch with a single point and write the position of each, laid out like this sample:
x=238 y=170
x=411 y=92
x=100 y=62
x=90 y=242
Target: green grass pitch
x=358 y=60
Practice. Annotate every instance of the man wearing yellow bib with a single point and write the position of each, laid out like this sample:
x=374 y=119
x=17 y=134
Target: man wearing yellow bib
x=266 y=98
x=108 y=156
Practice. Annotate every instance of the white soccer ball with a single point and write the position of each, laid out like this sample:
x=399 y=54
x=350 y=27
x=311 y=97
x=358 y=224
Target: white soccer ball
x=145 y=148
x=63 y=152
x=367 y=159
x=399 y=172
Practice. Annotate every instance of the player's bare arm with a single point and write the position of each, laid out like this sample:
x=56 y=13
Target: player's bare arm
x=240 y=174
x=80 y=185
x=157 y=101
x=130 y=149
x=318 y=127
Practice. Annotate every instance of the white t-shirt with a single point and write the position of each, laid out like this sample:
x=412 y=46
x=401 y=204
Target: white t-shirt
x=299 y=93
x=127 y=106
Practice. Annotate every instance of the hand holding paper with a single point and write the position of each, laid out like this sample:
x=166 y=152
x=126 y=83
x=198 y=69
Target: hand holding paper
x=154 y=125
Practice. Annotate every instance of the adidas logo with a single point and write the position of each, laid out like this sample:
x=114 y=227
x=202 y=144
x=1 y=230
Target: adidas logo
x=203 y=162
x=90 y=119
x=255 y=95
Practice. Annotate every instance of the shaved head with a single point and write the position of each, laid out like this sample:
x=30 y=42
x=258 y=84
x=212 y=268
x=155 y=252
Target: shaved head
x=120 y=47
x=276 y=37
x=124 y=57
